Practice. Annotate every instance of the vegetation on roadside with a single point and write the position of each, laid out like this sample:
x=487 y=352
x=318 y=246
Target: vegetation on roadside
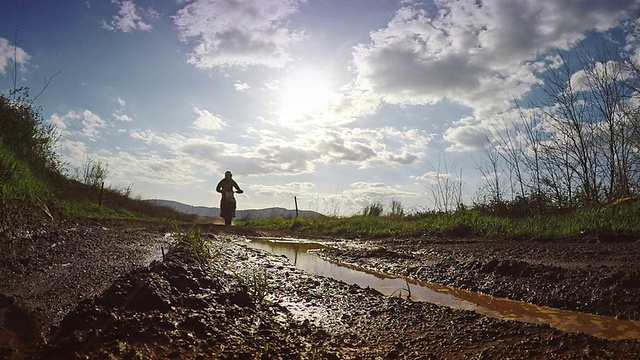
x=32 y=173
x=621 y=219
x=17 y=181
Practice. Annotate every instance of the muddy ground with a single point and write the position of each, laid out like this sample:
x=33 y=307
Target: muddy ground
x=593 y=275
x=103 y=290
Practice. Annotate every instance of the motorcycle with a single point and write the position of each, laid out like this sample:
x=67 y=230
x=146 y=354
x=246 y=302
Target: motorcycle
x=228 y=206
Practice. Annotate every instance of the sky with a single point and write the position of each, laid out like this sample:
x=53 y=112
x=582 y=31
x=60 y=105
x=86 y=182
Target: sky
x=340 y=103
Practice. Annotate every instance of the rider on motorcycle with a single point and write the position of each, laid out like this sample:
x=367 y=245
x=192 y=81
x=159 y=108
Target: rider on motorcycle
x=228 y=201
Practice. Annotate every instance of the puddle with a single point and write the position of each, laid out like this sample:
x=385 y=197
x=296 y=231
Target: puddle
x=297 y=251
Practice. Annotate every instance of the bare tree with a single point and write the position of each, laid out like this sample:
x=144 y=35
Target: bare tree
x=94 y=171
x=444 y=189
x=491 y=170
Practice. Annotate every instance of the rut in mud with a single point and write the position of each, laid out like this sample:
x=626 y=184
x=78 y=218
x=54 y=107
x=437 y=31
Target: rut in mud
x=298 y=251
x=178 y=309
x=246 y=303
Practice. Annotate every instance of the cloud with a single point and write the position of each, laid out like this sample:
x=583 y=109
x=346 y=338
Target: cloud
x=122 y=102
x=241 y=86
x=466 y=138
x=7 y=56
x=150 y=168
x=363 y=193
x=122 y=117
x=60 y=122
x=75 y=152
x=128 y=18
x=286 y=189
x=91 y=124
x=86 y=124
x=233 y=33
x=207 y=121
x=369 y=148
x=264 y=152
x=434 y=177
x=477 y=54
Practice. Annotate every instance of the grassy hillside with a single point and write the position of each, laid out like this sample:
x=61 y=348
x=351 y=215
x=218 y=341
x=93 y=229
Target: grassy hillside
x=32 y=174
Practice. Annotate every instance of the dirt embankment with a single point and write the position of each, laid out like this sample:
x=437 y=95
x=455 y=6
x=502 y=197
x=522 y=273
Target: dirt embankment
x=71 y=290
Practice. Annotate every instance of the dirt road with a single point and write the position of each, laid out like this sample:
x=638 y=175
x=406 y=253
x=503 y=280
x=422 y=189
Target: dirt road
x=88 y=290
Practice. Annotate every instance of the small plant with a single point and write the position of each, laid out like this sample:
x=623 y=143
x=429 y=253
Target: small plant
x=397 y=210
x=373 y=210
x=193 y=244
x=256 y=280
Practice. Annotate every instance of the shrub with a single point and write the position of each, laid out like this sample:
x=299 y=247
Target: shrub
x=25 y=134
x=373 y=210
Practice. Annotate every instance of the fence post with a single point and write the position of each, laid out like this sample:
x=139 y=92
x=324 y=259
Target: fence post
x=100 y=201
x=295 y=200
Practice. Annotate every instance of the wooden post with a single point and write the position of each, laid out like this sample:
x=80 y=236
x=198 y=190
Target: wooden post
x=295 y=200
x=100 y=201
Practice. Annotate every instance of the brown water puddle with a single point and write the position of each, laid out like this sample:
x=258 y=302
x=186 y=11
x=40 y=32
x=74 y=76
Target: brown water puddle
x=297 y=251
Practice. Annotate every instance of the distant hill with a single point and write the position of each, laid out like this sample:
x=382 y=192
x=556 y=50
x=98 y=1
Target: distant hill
x=240 y=214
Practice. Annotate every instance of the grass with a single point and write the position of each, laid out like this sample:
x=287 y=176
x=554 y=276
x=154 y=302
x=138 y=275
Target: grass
x=256 y=280
x=17 y=182
x=467 y=223
x=192 y=244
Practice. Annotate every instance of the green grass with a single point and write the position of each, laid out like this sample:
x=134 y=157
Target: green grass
x=17 y=182
x=467 y=223
x=192 y=244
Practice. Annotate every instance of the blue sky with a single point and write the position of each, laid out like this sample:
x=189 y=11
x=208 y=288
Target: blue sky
x=340 y=103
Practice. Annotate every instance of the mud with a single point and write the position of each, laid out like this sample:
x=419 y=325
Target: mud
x=599 y=276
x=100 y=290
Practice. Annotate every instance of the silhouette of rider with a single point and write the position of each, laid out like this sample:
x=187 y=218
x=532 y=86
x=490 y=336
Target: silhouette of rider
x=228 y=201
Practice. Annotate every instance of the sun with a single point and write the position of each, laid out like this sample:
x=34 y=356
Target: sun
x=303 y=94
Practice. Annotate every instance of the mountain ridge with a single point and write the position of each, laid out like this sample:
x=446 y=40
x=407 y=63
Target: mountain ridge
x=248 y=214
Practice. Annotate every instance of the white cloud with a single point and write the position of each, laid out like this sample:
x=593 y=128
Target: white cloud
x=233 y=33
x=122 y=117
x=122 y=102
x=7 y=51
x=85 y=124
x=128 y=18
x=149 y=168
x=241 y=86
x=60 y=122
x=369 y=147
x=477 y=54
x=207 y=121
x=466 y=138
x=74 y=152
x=365 y=193
x=91 y=124
x=283 y=190
x=434 y=177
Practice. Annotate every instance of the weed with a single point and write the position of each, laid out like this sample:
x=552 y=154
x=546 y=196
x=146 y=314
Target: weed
x=192 y=244
x=256 y=280
x=373 y=210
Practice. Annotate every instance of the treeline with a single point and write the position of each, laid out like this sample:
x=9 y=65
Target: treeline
x=577 y=145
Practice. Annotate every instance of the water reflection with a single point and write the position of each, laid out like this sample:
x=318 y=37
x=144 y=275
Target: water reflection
x=297 y=251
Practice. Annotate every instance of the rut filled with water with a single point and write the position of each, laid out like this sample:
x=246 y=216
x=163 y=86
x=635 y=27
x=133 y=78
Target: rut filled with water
x=301 y=254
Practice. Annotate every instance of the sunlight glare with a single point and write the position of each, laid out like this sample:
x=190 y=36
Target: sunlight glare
x=304 y=93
